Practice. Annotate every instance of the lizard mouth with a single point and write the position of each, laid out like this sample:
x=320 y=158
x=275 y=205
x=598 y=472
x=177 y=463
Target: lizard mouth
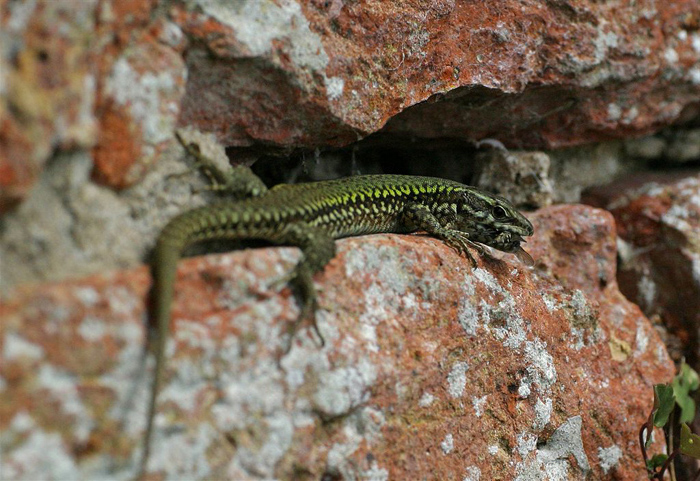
x=513 y=246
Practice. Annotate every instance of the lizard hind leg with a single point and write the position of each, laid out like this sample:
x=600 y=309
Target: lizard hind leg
x=317 y=249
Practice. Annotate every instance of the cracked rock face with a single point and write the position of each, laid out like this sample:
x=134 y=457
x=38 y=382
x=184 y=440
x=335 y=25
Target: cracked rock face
x=430 y=367
x=658 y=218
x=115 y=79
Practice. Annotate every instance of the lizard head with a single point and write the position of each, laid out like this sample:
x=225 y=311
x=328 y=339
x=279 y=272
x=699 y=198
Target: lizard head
x=493 y=221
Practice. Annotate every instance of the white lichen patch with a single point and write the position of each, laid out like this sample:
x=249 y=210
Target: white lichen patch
x=457 y=379
x=478 y=403
x=277 y=440
x=143 y=94
x=182 y=455
x=255 y=405
x=129 y=405
x=609 y=457
x=92 y=329
x=647 y=290
x=513 y=333
x=641 y=341
x=248 y=392
x=39 y=454
x=543 y=413
x=540 y=364
x=501 y=309
x=553 y=461
x=566 y=441
x=426 y=400
x=122 y=301
x=447 y=444
x=375 y=473
x=580 y=305
x=389 y=279
x=344 y=388
x=364 y=425
x=489 y=281
x=683 y=214
x=261 y=26
x=368 y=333
x=671 y=55
x=526 y=442
x=614 y=112
x=524 y=389
x=63 y=387
x=695 y=42
x=334 y=87
x=473 y=473
x=191 y=376
x=19 y=15
x=258 y=24
x=694 y=75
x=87 y=295
x=550 y=303
x=696 y=269
x=577 y=335
x=303 y=359
x=22 y=422
x=468 y=316
x=17 y=348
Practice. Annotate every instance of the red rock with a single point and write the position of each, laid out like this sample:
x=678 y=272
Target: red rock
x=658 y=218
x=530 y=74
x=279 y=76
x=430 y=369
x=84 y=74
x=47 y=89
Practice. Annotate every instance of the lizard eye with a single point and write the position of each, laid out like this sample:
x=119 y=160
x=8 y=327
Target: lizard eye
x=499 y=212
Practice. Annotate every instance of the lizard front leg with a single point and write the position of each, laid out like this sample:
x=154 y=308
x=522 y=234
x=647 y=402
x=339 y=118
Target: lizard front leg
x=419 y=217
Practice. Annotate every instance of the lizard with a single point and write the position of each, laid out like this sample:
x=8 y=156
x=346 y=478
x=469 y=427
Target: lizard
x=311 y=216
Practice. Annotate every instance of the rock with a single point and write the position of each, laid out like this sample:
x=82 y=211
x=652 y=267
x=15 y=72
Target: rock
x=430 y=368
x=673 y=145
x=114 y=78
x=521 y=177
x=647 y=148
x=658 y=219
x=684 y=146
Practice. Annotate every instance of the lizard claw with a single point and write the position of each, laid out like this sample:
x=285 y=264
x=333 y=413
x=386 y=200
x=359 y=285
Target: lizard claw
x=302 y=278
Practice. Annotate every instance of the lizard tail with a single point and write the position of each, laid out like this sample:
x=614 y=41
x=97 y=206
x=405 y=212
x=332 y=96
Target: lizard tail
x=171 y=243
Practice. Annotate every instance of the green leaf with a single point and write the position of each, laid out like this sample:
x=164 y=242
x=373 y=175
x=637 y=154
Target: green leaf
x=683 y=384
x=664 y=402
x=690 y=377
x=690 y=443
x=656 y=462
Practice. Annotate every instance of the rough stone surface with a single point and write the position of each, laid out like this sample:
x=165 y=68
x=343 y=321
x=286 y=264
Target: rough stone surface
x=528 y=73
x=536 y=179
x=114 y=77
x=72 y=227
x=101 y=78
x=431 y=368
x=658 y=221
x=521 y=177
x=677 y=146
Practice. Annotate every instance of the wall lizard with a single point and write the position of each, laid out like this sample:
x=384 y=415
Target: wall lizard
x=311 y=215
